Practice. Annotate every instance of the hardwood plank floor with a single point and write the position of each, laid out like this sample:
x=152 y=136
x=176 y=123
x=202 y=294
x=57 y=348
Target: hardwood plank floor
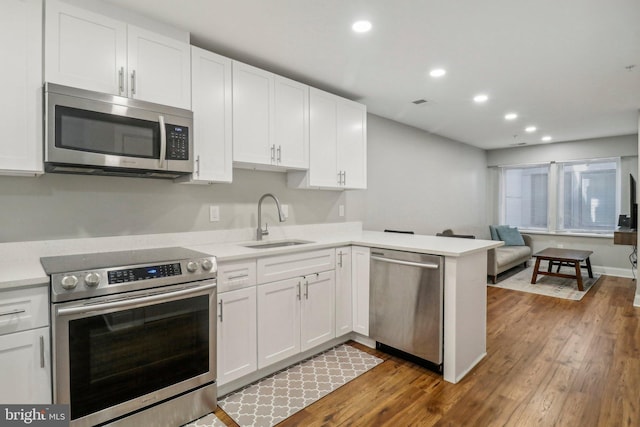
x=550 y=362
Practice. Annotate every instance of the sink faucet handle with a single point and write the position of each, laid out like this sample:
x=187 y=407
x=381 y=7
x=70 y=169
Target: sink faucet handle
x=265 y=232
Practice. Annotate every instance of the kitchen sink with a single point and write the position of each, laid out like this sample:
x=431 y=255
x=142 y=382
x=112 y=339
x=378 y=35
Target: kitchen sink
x=277 y=244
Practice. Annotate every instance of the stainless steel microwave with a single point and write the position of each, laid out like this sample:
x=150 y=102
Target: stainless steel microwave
x=96 y=133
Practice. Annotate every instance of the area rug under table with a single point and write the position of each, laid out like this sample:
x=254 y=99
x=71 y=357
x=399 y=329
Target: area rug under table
x=558 y=287
x=284 y=393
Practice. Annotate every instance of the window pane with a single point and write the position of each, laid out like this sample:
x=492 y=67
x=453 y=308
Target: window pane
x=524 y=196
x=588 y=199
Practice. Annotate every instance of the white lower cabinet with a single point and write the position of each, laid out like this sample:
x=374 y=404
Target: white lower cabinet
x=360 y=287
x=344 y=292
x=295 y=315
x=236 y=334
x=26 y=368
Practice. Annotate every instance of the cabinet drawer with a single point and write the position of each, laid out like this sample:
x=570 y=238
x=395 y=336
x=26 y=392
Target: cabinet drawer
x=236 y=275
x=23 y=309
x=299 y=264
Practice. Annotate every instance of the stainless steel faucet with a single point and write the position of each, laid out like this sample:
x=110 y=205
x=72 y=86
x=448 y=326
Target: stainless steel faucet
x=259 y=231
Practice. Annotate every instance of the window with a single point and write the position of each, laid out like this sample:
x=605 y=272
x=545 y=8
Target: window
x=588 y=199
x=524 y=196
x=572 y=197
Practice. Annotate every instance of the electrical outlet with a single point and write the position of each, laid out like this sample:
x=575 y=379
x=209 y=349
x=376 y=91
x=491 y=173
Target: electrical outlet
x=285 y=210
x=341 y=210
x=214 y=213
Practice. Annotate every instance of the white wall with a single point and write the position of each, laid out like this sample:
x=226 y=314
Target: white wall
x=419 y=181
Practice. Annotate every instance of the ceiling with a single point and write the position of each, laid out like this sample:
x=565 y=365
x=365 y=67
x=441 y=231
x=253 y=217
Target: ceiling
x=571 y=68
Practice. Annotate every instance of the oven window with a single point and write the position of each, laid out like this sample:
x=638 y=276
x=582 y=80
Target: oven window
x=106 y=133
x=123 y=355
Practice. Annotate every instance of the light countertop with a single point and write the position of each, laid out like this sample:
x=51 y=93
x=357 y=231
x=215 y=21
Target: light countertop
x=20 y=261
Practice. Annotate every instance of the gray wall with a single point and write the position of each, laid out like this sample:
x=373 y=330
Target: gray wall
x=70 y=206
x=419 y=181
x=614 y=257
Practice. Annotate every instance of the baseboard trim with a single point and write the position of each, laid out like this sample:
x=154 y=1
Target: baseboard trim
x=613 y=271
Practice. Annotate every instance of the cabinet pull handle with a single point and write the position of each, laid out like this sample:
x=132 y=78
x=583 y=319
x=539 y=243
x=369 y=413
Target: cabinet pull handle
x=9 y=313
x=220 y=315
x=298 y=291
x=306 y=289
x=279 y=154
x=198 y=165
x=340 y=259
x=121 y=80
x=239 y=276
x=340 y=178
x=273 y=153
x=133 y=82
x=344 y=177
x=41 y=351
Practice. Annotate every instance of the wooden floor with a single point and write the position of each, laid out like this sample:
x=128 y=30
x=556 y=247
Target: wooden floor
x=550 y=362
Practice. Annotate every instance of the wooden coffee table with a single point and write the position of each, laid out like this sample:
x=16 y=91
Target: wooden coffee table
x=559 y=257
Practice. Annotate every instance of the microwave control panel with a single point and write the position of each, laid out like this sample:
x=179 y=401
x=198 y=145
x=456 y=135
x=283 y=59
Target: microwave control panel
x=177 y=142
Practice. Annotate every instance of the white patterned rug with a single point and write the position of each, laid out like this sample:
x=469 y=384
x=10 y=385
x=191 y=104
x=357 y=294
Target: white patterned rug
x=558 y=287
x=280 y=395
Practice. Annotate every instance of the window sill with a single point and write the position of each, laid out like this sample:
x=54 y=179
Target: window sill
x=607 y=235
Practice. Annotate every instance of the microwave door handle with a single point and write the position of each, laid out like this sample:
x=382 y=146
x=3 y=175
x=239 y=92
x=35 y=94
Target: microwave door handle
x=163 y=141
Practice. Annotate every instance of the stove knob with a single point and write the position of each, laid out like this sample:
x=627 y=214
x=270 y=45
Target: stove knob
x=69 y=282
x=192 y=266
x=207 y=265
x=92 y=280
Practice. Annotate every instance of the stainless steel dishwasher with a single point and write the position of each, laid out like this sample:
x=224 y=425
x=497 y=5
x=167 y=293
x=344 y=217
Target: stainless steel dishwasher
x=406 y=303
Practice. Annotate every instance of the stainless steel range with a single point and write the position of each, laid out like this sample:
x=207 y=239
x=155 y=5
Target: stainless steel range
x=134 y=336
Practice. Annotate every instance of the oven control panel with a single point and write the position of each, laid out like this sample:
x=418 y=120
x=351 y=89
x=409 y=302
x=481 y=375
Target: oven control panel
x=143 y=273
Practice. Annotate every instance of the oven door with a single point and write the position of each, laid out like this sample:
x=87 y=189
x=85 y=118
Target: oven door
x=114 y=355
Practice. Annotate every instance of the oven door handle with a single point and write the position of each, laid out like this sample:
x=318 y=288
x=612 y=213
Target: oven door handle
x=88 y=308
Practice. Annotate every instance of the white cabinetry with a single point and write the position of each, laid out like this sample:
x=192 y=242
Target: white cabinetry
x=211 y=98
x=360 y=282
x=91 y=51
x=337 y=144
x=25 y=356
x=344 y=293
x=270 y=120
x=296 y=308
x=21 y=105
x=236 y=338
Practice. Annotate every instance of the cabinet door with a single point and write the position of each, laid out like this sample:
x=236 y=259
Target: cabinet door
x=352 y=143
x=317 y=314
x=252 y=107
x=211 y=98
x=323 y=167
x=278 y=321
x=291 y=123
x=159 y=68
x=360 y=282
x=85 y=49
x=344 y=297
x=21 y=104
x=237 y=339
x=26 y=367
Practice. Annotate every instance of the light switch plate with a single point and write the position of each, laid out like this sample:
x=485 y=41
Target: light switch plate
x=214 y=213
x=285 y=210
x=341 y=210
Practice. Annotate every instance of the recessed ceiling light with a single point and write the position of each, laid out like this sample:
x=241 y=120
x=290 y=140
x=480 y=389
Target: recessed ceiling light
x=510 y=116
x=546 y=138
x=480 y=98
x=530 y=129
x=361 y=26
x=438 y=72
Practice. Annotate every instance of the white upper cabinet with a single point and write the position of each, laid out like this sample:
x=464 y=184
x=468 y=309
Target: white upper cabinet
x=337 y=144
x=159 y=68
x=91 y=51
x=212 y=112
x=21 y=103
x=291 y=123
x=270 y=120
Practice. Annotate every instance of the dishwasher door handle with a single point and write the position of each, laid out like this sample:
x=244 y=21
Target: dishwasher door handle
x=409 y=263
